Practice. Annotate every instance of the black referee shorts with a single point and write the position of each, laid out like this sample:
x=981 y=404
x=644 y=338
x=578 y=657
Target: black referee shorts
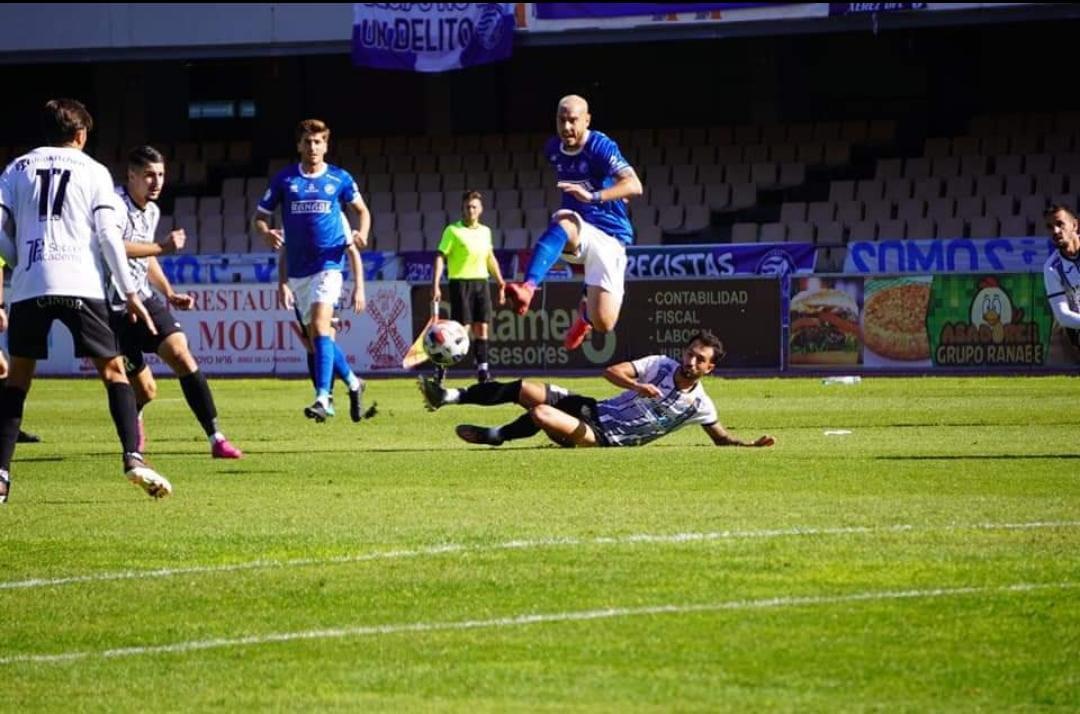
x=470 y=301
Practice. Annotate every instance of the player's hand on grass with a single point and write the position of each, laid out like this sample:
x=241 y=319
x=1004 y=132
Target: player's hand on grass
x=182 y=301
x=764 y=441
x=274 y=238
x=285 y=293
x=137 y=313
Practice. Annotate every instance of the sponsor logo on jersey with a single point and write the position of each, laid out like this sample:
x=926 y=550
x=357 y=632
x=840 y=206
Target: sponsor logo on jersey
x=299 y=207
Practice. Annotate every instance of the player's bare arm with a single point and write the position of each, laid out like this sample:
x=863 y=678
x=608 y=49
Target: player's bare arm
x=721 y=437
x=157 y=277
x=356 y=265
x=174 y=243
x=436 y=276
x=624 y=375
x=363 y=217
x=627 y=185
x=493 y=268
x=285 y=293
x=274 y=237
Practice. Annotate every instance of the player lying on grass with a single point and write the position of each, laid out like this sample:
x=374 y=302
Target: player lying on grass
x=662 y=396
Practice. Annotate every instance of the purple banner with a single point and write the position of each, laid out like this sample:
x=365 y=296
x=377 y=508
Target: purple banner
x=417 y=266
x=711 y=261
x=575 y=10
x=862 y=8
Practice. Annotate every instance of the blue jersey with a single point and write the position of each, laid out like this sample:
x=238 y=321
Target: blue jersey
x=311 y=214
x=594 y=167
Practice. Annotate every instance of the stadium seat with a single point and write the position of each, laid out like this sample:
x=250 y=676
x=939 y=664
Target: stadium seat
x=737 y=174
x=511 y=218
x=744 y=233
x=974 y=165
x=236 y=242
x=945 y=167
x=837 y=153
x=408 y=221
x=211 y=238
x=898 y=189
x=210 y=206
x=184 y=206
x=755 y=154
x=783 y=153
x=670 y=218
x=660 y=196
x=1032 y=207
x=870 y=190
x=718 y=196
x=949 y=228
x=401 y=164
x=922 y=228
x=820 y=212
x=1015 y=227
x=841 y=191
x=917 y=168
x=849 y=212
x=983 y=227
x=1048 y=184
x=965 y=146
x=533 y=198
x=878 y=210
x=406 y=201
x=911 y=210
x=1038 y=164
x=691 y=195
x=791 y=212
x=410 y=240
x=455 y=183
x=507 y=198
x=969 y=208
x=1000 y=207
x=800 y=232
x=478 y=181
x=862 y=231
x=727 y=155
x=1008 y=164
x=773 y=233
x=831 y=233
x=960 y=186
x=164 y=226
x=1019 y=185
x=927 y=188
x=684 y=175
x=764 y=175
x=743 y=195
x=697 y=218
x=810 y=153
x=711 y=174
x=232 y=187
x=702 y=154
x=991 y=185
x=895 y=229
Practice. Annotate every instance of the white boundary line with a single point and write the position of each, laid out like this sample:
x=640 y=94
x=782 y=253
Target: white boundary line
x=527 y=619
x=448 y=548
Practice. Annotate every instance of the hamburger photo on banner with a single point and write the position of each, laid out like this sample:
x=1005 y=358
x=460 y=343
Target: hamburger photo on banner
x=824 y=328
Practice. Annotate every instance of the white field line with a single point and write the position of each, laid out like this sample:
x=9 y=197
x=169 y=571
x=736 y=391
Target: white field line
x=527 y=619
x=532 y=544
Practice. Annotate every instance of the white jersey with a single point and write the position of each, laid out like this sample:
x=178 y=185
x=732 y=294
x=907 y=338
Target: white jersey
x=52 y=194
x=1062 y=277
x=138 y=225
x=632 y=420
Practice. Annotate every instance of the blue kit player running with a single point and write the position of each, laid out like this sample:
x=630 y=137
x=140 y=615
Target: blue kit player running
x=592 y=228
x=312 y=196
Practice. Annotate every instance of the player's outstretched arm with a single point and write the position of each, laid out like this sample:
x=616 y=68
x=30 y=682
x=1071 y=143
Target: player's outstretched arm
x=721 y=437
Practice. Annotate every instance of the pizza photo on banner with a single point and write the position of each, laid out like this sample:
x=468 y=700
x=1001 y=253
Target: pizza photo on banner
x=989 y=320
x=894 y=322
x=823 y=328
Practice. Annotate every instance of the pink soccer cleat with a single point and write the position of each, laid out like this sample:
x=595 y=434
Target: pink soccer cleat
x=577 y=333
x=224 y=450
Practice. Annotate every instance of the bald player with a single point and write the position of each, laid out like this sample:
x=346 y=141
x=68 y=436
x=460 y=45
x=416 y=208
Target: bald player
x=592 y=227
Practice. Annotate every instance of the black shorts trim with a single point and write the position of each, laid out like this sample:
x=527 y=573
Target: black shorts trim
x=86 y=319
x=579 y=407
x=134 y=337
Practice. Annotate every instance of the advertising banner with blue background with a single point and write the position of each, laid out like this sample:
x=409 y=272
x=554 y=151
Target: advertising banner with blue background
x=956 y=255
x=431 y=37
x=712 y=261
x=569 y=10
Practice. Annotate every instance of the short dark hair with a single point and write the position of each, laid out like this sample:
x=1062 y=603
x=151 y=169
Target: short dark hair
x=470 y=195
x=708 y=339
x=62 y=118
x=1055 y=207
x=142 y=156
x=312 y=126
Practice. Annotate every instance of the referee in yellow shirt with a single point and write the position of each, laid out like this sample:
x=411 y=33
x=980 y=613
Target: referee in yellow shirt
x=467 y=251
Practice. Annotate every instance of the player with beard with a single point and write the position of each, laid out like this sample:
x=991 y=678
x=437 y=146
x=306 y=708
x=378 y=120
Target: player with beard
x=662 y=395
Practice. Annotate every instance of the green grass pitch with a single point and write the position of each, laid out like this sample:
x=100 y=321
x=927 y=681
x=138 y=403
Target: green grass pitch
x=927 y=561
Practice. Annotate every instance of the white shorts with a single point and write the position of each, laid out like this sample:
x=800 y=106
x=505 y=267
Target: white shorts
x=604 y=257
x=324 y=287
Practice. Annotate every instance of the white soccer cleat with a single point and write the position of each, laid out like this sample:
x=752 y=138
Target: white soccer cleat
x=155 y=485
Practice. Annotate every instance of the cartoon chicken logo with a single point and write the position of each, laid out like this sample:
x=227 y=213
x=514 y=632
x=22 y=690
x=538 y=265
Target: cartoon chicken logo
x=993 y=308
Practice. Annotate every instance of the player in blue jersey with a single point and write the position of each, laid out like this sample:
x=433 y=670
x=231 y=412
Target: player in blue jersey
x=662 y=395
x=312 y=196
x=592 y=227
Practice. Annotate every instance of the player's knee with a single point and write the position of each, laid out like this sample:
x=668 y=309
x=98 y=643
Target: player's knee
x=569 y=225
x=602 y=322
x=146 y=390
x=541 y=414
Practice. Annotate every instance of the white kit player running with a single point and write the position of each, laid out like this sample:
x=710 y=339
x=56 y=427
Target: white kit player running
x=59 y=214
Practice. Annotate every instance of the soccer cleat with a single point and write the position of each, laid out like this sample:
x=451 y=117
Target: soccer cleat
x=5 y=486
x=577 y=333
x=26 y=437
x=433 y=393
x=356 y=402
x=478 y=434
x=330 y=411
x=141 y=475
x=520 y=294
x=141 y=445
x=224 y=450
x=317 y=411
x=483 y=376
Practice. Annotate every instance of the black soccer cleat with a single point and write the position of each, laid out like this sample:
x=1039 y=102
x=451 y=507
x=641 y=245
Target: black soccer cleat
x=356 y=402
x=478 y=435
x=434 y=394
x=26 y=437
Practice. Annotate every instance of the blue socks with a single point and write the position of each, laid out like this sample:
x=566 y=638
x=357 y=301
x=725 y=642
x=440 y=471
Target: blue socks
x=342 y=370
x=545 y=253
x=324 y=365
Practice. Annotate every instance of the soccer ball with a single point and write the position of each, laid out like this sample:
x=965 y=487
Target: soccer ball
x=446 y=342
